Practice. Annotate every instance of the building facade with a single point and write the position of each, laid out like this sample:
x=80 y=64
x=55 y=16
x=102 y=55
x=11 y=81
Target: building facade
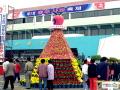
x=93 y=20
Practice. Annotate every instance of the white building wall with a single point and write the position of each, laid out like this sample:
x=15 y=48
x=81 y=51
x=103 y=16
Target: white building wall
x=70 y=22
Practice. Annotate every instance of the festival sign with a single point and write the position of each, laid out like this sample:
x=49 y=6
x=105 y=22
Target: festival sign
x=3 y=25
x=100 y=5
x=110 y=85
x=60 y=10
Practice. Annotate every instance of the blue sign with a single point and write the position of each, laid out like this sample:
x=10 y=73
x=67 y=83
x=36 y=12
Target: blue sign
x=3 y=25
x=77 y=8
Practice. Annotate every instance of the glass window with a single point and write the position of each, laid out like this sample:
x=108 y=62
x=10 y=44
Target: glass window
x=14 y=36
x=116 y=11
x=38 y=18
x=76 y=15
x=17 y=21
x=10 y=21
x=117 y=31
x=109 y=31
x=23 y=20
x=71 y=30
x=22 y=35
x=102 y=12
x=47 y=17
x=37 y=32
x=28 y=34
x=88 y=14
x=80 y=30
x=102 y=31
x=65 y=15
x=46 y=32
x=94 y=32
x=8 y=36
x=65 y=31
x=29 y=20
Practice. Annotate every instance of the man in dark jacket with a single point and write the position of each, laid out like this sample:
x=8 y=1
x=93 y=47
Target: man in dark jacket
x=92 y=74
x=103 y=69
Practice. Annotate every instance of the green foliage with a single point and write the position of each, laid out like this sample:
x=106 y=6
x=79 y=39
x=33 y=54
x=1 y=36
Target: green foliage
x=79 y=62
x=96 y=57
x=111 y=59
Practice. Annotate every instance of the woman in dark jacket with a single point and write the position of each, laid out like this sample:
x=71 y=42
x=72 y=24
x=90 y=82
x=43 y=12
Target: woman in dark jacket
x=92 y=74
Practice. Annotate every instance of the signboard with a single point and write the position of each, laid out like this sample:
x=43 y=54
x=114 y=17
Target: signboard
x=3 y=21
x=110 y=85
x=100 y=5
x=60 y=10
x=3 y=9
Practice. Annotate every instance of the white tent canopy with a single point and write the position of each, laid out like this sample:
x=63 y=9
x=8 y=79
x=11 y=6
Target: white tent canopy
x=110 y=47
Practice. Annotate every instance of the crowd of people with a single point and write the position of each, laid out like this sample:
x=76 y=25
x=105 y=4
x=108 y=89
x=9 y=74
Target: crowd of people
x=92 y=72
x=12 y=70
x=103 y=71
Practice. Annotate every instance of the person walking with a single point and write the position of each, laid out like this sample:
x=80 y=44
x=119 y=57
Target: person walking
x=17 y=70
x=85 y=74
x=114 y=68
x=5 y=63
x=103 y=69
x=43 y=74
x=50 y=70
x=28 y=71
x=9 y=74
x=92 y=74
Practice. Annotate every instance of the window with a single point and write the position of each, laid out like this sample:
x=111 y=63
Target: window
x=47 y=17
x=102 y=12
x=79 y=30
x=38 y=18
x=88 y=14
x=94 y=32
x=10 y=21
x=71 y=30
x=29 y=20
x=82 y=32
x=102 y=31
x=22 y=35
x=116 y=11
x=76 y=15
x=14 y=36
x=45 y=32
x=28 y=34
x=65 y=31
x=17 y=21
x=117 y=31
x=37 y=32
x=109 y=31
x=65 y=15
x=8 y=36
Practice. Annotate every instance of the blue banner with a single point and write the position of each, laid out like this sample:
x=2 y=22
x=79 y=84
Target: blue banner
x=77 y=8
x=3 y=25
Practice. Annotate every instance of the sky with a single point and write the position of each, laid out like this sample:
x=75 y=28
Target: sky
x=18 y=4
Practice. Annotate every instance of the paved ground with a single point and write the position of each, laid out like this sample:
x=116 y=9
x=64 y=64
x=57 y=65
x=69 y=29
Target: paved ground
x=19 y=87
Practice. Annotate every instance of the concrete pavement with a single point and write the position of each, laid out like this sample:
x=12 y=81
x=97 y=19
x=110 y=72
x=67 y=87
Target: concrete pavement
x=20 y=87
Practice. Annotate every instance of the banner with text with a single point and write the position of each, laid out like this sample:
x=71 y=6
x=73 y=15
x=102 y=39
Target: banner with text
x=3 y=25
